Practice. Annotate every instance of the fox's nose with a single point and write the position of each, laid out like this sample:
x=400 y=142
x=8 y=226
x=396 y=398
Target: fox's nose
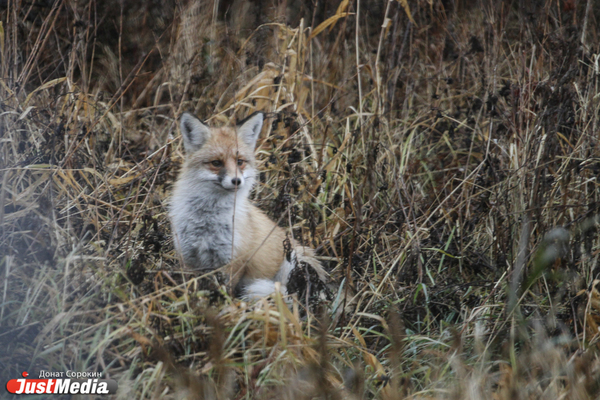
x=236 y=181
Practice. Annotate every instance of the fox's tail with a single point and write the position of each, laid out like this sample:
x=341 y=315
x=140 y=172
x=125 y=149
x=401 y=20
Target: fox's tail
x=264 y=287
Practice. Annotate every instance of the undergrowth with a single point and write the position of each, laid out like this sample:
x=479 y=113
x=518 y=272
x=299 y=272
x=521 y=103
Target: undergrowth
x=442 y=157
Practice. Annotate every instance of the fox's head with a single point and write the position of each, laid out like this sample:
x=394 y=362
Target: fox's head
x=221 y=156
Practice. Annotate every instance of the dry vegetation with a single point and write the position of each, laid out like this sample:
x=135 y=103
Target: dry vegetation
x=441 y=156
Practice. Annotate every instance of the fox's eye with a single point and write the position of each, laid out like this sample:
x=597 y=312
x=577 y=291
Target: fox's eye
x=240 y=162
x=217 y=163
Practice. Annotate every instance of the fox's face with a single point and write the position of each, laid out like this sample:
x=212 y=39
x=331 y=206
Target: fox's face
x=221 y=156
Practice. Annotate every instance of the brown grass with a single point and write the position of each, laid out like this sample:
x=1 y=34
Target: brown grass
x=442 y=157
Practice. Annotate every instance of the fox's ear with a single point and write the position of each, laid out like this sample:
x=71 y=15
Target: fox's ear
x=194 y=132
x=249 y=129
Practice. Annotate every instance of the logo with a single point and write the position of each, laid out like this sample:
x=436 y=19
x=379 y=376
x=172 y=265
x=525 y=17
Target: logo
x=69 y=382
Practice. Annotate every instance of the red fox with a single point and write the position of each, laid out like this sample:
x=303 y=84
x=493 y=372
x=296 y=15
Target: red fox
x=214 y=222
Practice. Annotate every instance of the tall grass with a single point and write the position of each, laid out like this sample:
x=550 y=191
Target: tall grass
x=442 y=157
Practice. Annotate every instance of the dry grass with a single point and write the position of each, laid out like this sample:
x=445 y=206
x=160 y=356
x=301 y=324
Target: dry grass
x=442 y=157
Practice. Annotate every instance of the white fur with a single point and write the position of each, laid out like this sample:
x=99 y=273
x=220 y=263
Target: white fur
x=264 y=287
x=259 y=288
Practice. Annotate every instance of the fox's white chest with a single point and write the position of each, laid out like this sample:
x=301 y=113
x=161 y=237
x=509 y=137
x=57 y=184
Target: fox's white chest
x=206 y=232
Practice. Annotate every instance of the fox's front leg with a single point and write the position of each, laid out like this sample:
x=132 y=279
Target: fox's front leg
x=235 y=273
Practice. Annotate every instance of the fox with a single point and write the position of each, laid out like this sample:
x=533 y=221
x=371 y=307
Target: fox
x=214 y=222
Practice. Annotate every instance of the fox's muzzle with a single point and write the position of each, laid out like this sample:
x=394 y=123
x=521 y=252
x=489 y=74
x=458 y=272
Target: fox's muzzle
x=230 y=181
